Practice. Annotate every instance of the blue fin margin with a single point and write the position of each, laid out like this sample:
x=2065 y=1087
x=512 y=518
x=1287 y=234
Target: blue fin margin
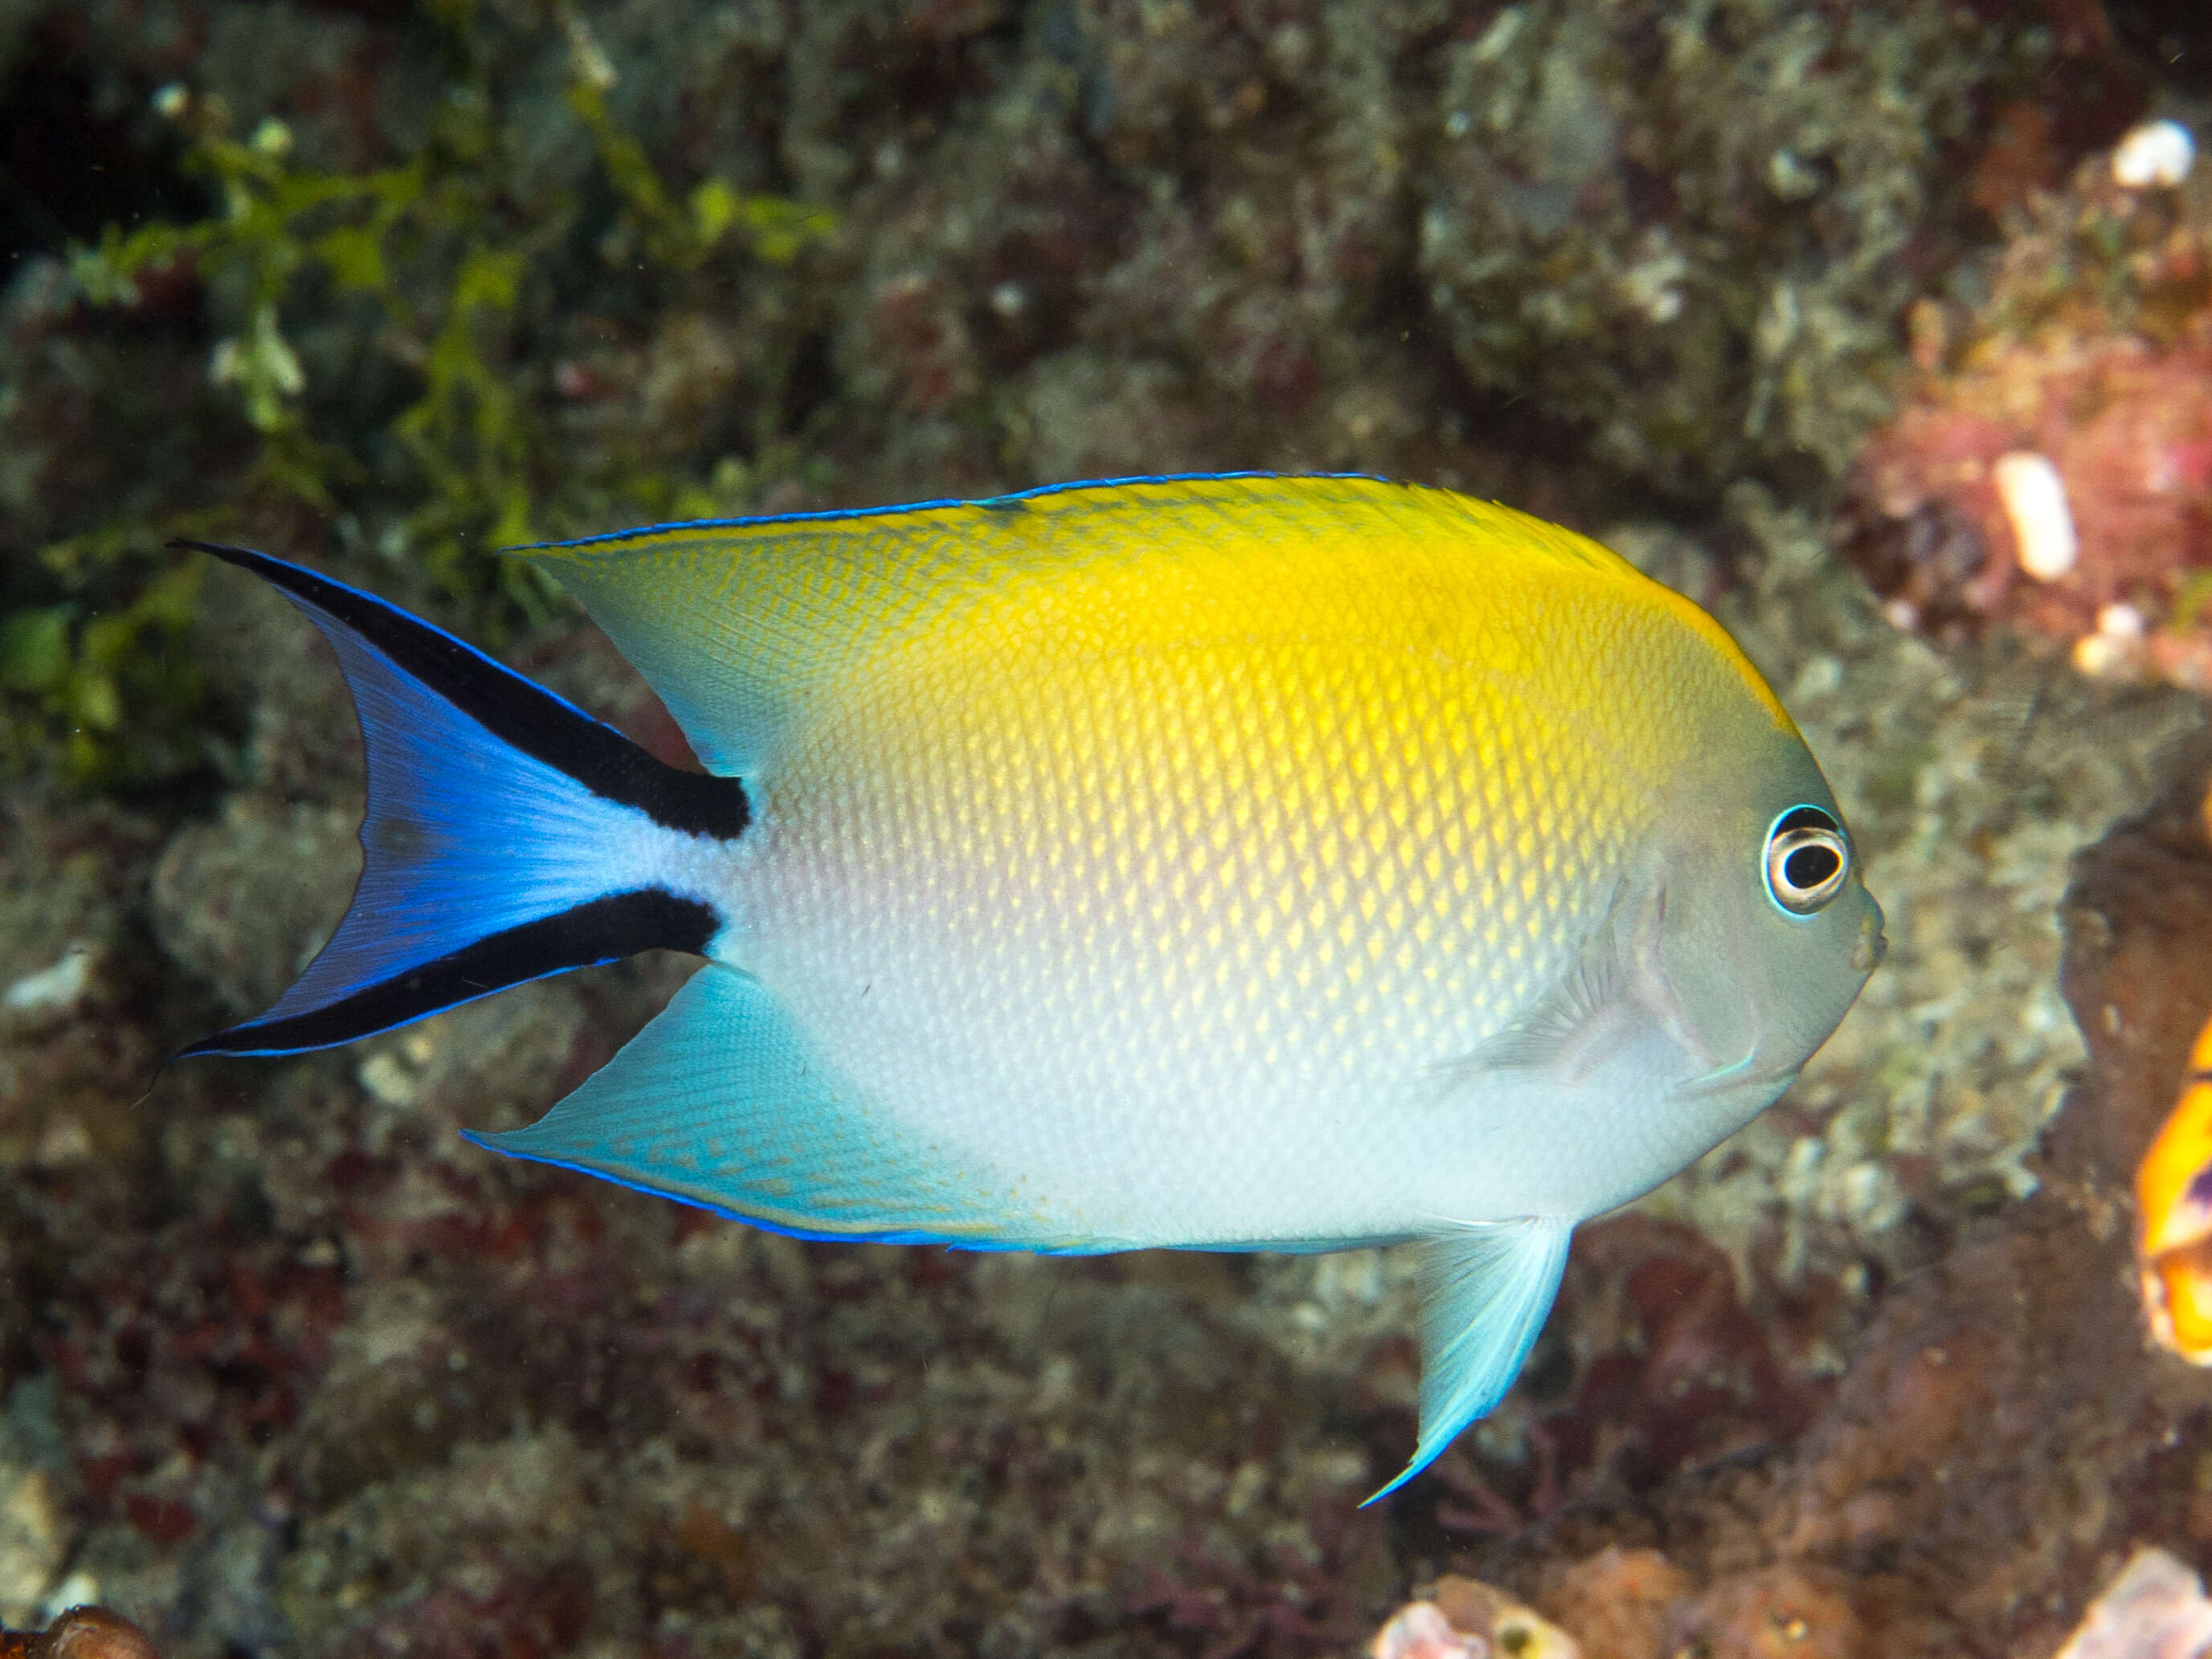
x=825 y=515
x=721 y=1103
x=1485 y=1292
x=508 y=835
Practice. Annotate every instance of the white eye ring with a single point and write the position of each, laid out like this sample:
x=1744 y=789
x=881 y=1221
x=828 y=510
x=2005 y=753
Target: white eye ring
x=1809 y=859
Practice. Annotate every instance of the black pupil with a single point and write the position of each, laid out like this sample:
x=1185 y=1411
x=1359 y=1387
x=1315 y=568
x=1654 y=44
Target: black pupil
x=1808 y=866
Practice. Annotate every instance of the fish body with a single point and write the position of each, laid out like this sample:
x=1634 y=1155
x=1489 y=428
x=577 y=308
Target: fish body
x=1228 y=863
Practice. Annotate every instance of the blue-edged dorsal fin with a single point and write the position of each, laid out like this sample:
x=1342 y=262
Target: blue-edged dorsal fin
x=735 y=622
x=721 y=1102
x=1485 y=1290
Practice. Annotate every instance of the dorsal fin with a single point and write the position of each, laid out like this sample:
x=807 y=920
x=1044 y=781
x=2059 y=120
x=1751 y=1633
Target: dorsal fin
x=736 y=621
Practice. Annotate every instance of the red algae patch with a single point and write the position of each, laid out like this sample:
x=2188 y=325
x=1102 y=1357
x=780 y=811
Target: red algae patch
x=2051 y=467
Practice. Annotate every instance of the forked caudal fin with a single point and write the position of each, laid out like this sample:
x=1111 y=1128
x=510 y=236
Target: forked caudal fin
x=508 y=834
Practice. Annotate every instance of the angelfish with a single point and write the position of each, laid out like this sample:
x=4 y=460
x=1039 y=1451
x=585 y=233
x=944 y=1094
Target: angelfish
x=1230 y=863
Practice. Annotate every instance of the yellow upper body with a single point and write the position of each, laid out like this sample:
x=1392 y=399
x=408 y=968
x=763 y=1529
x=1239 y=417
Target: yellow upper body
x=1293 y=862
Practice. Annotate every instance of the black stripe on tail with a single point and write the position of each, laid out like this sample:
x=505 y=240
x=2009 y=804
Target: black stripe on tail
x=512 y=708
x=603 y=930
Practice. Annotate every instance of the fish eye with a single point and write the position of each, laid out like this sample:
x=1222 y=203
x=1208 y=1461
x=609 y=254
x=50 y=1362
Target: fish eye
x=1807 y=859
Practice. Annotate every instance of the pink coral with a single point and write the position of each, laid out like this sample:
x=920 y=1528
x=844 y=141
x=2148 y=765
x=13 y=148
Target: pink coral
x=1420 y=1631
x=2091 y=365
x=2154 y=1609
x=1465 y=1619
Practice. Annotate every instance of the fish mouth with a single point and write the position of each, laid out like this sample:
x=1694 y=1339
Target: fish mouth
x=1872 y=943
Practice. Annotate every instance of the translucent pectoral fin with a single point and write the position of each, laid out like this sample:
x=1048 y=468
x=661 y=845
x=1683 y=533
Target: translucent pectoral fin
x=1592 y=1012
x=1581 y=1022
x=1485 y=1290
x=1614 y=998
x=722 y=1103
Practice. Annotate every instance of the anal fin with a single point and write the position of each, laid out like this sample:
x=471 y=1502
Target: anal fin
x=722 y=1102
x=1485 y=1292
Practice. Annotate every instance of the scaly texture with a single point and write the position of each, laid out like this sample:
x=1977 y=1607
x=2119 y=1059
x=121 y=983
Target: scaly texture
x=1155 y=852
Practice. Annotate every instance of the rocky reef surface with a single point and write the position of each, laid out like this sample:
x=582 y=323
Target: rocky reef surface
x=288 y=1368
x=2052 y=461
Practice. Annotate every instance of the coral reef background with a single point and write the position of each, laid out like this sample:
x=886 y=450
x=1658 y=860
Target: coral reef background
x=287 y=1368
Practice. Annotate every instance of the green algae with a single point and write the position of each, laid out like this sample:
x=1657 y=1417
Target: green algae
x=434 y=265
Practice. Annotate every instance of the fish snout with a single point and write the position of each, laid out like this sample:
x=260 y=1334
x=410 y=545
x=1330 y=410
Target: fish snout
x=1872 y=944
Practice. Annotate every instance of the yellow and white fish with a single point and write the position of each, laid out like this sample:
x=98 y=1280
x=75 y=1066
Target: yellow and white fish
x=1239 y=863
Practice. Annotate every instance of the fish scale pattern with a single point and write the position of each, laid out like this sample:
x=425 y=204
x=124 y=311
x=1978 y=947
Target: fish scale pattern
x=1141 y=862
x=743 y=626
x=1063 y=891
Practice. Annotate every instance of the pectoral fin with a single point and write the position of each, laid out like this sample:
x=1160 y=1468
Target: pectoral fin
x=1485 y=1290
x=1612 y=997
x=1582 y=1022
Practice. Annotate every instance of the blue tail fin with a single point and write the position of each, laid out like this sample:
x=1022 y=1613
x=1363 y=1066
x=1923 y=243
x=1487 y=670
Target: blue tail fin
x=508 y=834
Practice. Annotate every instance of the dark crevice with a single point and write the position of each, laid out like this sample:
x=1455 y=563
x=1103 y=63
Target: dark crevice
x=2172 y=39
x=810 y=384
x=73 y=161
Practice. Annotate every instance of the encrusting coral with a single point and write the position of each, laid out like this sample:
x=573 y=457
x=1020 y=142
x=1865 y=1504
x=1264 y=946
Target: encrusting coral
x=2052 y=466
